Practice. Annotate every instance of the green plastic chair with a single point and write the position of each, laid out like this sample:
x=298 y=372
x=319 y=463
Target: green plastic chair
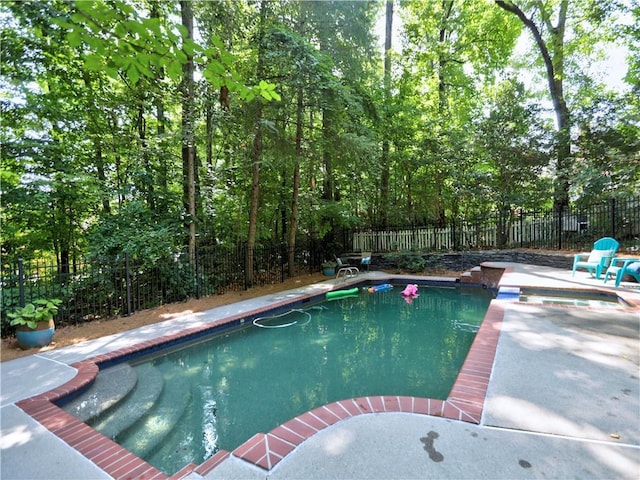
x=599 y=259
x=621 y=267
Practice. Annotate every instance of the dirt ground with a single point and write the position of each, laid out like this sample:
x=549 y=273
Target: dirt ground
x=71 y=335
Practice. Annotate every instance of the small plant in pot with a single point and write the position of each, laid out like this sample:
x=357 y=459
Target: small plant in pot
x=329 y=268
x=34 y=322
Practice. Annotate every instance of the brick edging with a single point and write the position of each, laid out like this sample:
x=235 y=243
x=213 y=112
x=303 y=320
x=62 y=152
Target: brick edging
x=465 y=403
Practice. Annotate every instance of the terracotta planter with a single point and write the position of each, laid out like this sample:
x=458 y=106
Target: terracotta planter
x=38 y=337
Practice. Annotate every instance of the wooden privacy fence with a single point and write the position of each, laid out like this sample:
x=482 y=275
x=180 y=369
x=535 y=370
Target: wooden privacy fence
x=571 y=229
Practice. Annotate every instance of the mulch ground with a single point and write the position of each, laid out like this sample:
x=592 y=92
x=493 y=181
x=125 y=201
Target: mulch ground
x=70 y=335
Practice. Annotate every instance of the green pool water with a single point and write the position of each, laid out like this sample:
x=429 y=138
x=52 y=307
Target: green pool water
x=219 y=392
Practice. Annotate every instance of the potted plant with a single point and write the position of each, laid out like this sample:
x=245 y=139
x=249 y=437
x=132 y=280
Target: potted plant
x=34 y=322
x=329 y=268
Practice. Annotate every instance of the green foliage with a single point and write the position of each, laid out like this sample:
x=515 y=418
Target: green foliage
x=608 y=148
x=412 y=262
x=41 y=310
x=92 y=129
x=117 y=38
x=630 y=35
x=135 y=232
x=513 y=146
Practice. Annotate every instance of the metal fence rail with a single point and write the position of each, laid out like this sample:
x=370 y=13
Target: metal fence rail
x=98 y=290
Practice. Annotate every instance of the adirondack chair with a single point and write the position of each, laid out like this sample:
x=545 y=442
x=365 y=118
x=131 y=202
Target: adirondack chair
x=621 y=267
x=599 y=259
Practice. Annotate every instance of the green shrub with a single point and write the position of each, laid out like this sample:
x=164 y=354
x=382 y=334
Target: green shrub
x=409 y=261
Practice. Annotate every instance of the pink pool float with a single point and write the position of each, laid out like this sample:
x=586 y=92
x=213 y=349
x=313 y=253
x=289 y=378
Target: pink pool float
x=410 y=293
x=410 y=290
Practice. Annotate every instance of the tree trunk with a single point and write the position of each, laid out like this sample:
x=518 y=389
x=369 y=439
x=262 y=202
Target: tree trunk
x=444 y=113
x=188 y=135
x=553 y=57
x=162 y=180
x=328 y=184
x=293 y=223
x=147 y=182
x=384 y=176
x=256 y=155
x=209 y=131
x=102 y=177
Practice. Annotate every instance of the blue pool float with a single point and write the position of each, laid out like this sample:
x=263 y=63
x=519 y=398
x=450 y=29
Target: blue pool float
x=380 y=288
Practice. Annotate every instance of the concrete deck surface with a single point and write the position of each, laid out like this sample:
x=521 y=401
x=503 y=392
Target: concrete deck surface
x=563 y=402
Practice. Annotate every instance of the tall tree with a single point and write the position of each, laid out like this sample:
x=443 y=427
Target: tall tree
x=563 y=30
x=48 y=132
x=607 y=148
x=295 y=194
x=384 y=176
x=452 y=48
x=553 y=55
x=342 y=32
x=256 y=152
x=512 y=144
x=188 y=132
x=96 y=116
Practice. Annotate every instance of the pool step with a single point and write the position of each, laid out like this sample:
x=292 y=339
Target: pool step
x=472 y=276
x=488 y=275
x=135 y=406
x=160 y=421
x=108 y=389
x=173 y=450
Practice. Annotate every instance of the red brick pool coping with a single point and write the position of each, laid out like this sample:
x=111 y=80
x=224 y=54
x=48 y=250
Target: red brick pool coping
x=465 y=403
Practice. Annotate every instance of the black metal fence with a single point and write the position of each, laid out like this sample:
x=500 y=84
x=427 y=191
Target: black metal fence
x=573 y=228
x=99 y=290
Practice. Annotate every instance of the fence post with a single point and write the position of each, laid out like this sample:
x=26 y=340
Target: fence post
x=196 y=274
x=559 y=226
x=245 y=253
x=21 y=281
x=613 y=218
x=284 y=256
x=454 y=237
x=127 y=282
x=521 y=229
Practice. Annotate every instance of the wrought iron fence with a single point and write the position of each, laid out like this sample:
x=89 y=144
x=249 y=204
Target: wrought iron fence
x=570 y=229
x=98 y=290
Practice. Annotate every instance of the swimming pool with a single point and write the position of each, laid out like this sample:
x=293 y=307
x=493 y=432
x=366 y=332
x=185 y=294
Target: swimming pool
x=331 y=351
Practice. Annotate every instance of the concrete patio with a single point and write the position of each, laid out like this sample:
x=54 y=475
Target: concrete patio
x=563 y=402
